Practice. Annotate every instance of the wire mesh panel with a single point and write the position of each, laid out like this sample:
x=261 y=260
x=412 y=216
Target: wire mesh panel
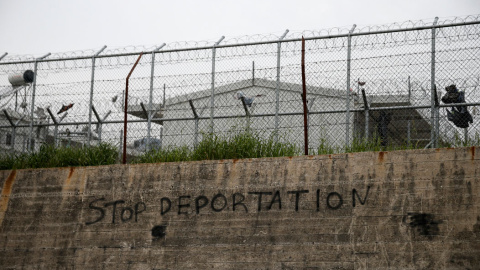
x=366 y=89
x=457 y=58
x=384 y=68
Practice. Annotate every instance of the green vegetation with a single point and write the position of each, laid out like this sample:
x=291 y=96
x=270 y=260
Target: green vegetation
x=242 y=144
x=50 y=156
x=212 y=147
x=459 y=141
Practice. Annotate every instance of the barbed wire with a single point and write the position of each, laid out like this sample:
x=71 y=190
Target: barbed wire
x=415 y=36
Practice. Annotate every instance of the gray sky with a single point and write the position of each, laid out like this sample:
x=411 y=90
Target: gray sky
x=37 y=27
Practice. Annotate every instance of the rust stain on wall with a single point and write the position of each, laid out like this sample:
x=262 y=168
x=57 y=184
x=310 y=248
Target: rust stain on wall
x=472 y=152
x=6 y=191
x=69 y=177
x=381 y=157
x=67 y=185
x=72 y=169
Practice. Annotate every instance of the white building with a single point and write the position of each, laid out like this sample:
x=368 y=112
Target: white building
x=232 y=114
x=16 y=139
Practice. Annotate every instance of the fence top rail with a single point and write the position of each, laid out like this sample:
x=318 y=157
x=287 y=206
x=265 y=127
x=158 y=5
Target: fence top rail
x=209 y=47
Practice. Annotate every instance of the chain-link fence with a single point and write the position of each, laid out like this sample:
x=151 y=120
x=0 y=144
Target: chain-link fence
x=375 y=86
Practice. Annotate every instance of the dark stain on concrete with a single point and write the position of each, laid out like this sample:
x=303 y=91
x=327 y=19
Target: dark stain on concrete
x=424 y=224
x=469 y=195
x=476 y=227
x=472 y=152
x=159 y=231
x=438 y=183
x=458 y=183
x=390 y=173
x=332 y=171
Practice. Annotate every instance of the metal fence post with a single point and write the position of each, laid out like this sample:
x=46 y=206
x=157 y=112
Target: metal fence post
x=55 y=122
x=3 y=55
x=55 y=131
x=163 y=123
x=212 y=97
x=195 y=115
x=433 y=113
x=89 y=135
x=14 y=132
x=277 y=88
x=124 y=158
x=100 y=122
x=409 y=136
x=120 y=148
x=409 y=121
x=31 y=147
x=349 y=54
x=149 y=114
x=367 y=112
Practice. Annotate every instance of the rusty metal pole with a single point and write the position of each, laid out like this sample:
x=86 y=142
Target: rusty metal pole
x=304 y=99
x=124 y=160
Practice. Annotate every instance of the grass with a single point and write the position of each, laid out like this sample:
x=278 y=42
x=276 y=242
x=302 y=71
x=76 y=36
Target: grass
x=213 y=147
x=458 y=140
x=49 y=156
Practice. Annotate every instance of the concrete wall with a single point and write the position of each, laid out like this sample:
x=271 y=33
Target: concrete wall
x=385 y=210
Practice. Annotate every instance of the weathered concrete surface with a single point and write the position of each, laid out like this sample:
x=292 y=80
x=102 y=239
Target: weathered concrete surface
x=389 y=210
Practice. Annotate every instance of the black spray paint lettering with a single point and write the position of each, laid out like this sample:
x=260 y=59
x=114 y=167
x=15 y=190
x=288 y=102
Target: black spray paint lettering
x=355 y=193
x=126 y=213
x=276 y=199
x=260 y=194
x=235 y=203
x=219 y=197
x=199 y=206
x=164 y=209
x=297 y=197
x=219 y=202
x=181 y=205
x=339 y=203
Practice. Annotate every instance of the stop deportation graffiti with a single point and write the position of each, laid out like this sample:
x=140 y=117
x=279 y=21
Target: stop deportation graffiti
x=120 y=212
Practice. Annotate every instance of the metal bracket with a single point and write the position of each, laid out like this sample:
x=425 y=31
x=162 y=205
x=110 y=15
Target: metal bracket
x=148 y=113
x=8 y=117
x=435 y=94
x=309 y=107
x=283 y=36
x=100 y=51
x=351 y=30
x=218 y=42
x=245 y=106
x=1 y=57
x=52 y=116
x=365 y=102
x=42 y=57
x=100 y=120
x=195 y=115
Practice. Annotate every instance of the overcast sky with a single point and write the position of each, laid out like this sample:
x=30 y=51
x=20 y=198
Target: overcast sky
x=41 y=26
